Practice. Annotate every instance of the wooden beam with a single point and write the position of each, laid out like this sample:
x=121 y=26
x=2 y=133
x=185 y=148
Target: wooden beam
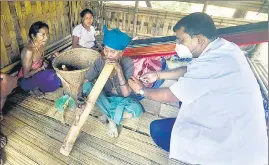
x=70 y=15
x=101 y=15
x=205 y=6
x=240 y=14
x=135 y=18
x=254 y=6
x=148 y=3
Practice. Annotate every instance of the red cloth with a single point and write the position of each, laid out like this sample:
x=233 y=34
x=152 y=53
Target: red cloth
x=143 y=65
x=35 y=65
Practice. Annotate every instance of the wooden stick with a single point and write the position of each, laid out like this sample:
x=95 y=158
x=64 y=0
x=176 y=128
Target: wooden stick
x=93 y=96
x=135 y=18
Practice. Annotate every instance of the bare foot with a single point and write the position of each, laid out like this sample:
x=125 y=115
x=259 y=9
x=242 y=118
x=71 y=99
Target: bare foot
x=103 y=119
x=112 y=129
x=37 y=93
x=127 y=115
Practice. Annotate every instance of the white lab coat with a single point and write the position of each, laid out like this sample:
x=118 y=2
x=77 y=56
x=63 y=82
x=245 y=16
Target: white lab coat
x=221 y=120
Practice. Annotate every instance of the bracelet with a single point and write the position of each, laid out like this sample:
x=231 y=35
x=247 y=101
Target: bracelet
x=123 y=84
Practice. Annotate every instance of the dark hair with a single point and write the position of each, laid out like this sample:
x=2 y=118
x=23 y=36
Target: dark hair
x=197 y=23
x=85 y=11
x=35 y=27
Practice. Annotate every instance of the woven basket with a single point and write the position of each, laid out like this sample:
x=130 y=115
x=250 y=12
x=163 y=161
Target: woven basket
x=79 y=59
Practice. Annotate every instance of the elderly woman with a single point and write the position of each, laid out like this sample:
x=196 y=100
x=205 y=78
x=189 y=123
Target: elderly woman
x=115 y=102
x=34 y=75
x=83 y=35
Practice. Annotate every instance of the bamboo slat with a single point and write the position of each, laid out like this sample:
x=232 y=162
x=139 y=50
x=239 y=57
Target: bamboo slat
x=94 y=128
x=157 y=22
x=131 y=146
x=10 y=124
x=144 y=123
x=51 y=146
x=31 y=150
x=151 y=106
x=168 y=111
x=14 y=157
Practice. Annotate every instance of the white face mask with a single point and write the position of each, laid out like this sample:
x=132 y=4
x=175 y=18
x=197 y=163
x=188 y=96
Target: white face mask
x=183 y=51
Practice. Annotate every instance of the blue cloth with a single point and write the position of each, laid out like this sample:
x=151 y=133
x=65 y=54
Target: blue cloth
x=160 y=131
x=45 y=81
x=115 y=106
x=116 y=39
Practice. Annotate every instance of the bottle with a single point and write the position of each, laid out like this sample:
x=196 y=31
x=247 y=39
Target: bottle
x=64 y=68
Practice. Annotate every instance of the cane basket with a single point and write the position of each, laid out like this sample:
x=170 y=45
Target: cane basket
x=77 y=60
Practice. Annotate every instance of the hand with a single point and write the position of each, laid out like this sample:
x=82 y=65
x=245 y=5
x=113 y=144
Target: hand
x=41 y=68
x=149 y=77
x=117 y=66
x=135 y=84
x=81 y=100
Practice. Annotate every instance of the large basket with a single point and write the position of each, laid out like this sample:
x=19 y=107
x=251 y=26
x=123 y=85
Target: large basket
x=78 y=58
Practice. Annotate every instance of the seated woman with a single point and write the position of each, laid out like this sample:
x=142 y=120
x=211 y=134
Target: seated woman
x=34 y=75
x=83 y=35
x=114 y=102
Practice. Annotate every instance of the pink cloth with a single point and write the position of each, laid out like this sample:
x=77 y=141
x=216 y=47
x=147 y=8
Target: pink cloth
x=35 y=65
x=146 y=64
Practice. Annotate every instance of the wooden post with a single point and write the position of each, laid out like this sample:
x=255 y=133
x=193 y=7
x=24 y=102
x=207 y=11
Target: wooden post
x=70 y=15
x=205 y=6
x=135 y=18
x=148 y=3
x=101 y=14
x=240 y=14
x=93 y=96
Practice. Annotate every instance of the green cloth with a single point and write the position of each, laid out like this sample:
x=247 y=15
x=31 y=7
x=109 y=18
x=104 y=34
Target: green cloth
x=115 y=106
x=65 y=100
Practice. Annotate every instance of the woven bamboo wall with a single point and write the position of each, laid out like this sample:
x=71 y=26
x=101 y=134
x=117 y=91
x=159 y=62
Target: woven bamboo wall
x=17 y=17
x=152 y=22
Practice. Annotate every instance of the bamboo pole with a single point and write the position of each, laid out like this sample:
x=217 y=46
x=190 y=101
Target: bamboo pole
x=101 y=15
x=135 y=18
x=148 y=4
x=205 y=6
x=93 y=96
x=70 y=15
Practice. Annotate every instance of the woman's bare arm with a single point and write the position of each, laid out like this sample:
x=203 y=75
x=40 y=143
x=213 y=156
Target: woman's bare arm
x=75 y=41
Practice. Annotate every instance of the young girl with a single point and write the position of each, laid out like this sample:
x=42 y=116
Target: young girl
x=83 y=34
